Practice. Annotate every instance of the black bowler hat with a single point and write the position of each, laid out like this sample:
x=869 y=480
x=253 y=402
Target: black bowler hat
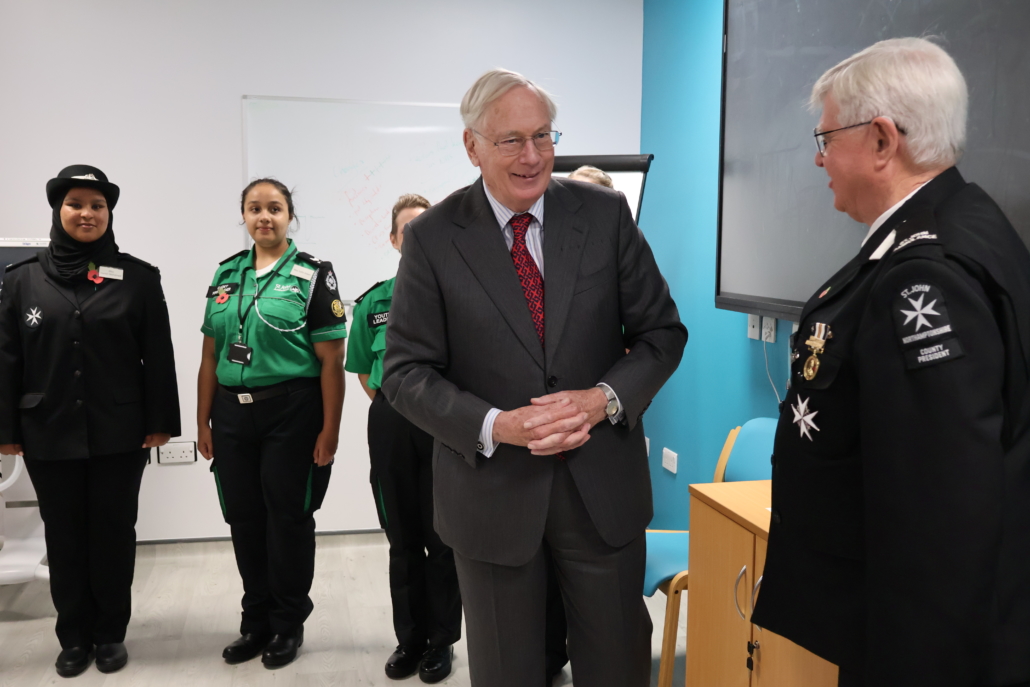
x=80 y=176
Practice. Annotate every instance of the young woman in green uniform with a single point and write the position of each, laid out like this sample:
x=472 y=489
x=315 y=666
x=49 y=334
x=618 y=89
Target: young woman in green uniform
x=423 y=581
x=270 y=394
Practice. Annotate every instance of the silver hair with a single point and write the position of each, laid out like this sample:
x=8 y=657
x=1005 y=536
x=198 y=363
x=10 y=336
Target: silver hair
x=912 y=81
x=491 y=86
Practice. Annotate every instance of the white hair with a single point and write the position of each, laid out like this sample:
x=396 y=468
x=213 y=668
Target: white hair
x=491 y=86
x=913 y=82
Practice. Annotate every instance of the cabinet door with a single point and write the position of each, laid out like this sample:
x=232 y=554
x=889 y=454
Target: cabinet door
x=717 y=635
x=780 y=662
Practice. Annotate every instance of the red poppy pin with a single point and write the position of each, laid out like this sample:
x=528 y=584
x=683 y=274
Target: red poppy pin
x=93 y=275
x=826 y=291
x=222 y=296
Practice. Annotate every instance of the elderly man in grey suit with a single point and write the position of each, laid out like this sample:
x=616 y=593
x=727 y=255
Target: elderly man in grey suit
x=515 y=303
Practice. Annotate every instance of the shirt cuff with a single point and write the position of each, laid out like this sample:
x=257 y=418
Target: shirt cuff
x=486 y=434
x=622 y=413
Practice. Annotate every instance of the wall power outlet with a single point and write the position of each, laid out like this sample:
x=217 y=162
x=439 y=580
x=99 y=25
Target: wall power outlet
x=669 y=460
x=754 y=327
x=769 y=329
x=177 y=452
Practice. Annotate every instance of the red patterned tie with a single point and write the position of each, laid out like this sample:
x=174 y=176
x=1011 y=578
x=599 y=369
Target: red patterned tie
x=529 y=273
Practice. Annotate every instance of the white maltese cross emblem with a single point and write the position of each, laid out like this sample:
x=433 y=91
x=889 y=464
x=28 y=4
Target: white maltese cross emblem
x=803 y=418
x=33 y=317
x=920 y=312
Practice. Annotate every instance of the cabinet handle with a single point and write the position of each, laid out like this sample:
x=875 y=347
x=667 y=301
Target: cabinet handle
x=754 y=597
x=736 y=584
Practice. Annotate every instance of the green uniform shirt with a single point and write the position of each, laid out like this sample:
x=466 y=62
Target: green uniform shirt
x=367 y=344
x=299 y=305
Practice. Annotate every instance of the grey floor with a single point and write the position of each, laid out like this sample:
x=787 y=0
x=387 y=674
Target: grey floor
x=186 y=608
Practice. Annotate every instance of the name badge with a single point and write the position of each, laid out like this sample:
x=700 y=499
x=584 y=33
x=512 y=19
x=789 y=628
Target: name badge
x=302 y=272
x=111 y=272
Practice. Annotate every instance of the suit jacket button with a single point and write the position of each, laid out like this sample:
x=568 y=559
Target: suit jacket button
x=552 y=381
x=77 y=313
x=78 y=403
x=776 y=517
x=479 y=446
x=75 y=343
x=78 y=373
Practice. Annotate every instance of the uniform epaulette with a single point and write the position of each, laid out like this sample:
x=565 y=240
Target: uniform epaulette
x=13 y=265
x=374 y=287
x=309 y=258
x=234 y=256
x=144 y=263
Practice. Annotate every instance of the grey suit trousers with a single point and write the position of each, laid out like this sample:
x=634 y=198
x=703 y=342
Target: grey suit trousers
x=602 y=587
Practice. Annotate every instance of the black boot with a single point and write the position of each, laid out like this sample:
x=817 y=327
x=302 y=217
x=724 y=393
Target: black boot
x=404 y=662
x=111 y=657
x=74 y=660
x=246 y=647
x=436 y=664
x=283 y=648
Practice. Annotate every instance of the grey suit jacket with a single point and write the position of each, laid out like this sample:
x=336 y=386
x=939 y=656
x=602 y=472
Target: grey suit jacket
x=461 y=340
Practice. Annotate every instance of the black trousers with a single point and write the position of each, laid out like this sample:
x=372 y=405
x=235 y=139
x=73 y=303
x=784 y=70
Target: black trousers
x=609 y=626
x=270 y=487
x=89 y=511
x=423 y=581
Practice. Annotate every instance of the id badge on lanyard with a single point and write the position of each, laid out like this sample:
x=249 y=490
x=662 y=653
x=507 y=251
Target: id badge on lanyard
x=240 y=352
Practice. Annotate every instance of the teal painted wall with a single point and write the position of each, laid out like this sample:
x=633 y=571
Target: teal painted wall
x=722 y=381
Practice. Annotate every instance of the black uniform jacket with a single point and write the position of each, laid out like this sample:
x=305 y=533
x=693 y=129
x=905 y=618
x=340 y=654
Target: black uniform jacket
x=85 y=370
x=900 y=538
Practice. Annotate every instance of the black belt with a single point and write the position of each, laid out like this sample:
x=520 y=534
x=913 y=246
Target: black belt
x=244 y=394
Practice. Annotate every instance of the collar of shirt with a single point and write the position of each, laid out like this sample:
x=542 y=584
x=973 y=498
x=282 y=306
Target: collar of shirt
x=535 y=233
x=268 y=268
x=882 y=249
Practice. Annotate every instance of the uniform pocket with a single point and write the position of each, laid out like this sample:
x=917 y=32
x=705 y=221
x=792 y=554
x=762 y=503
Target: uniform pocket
x=31 y=400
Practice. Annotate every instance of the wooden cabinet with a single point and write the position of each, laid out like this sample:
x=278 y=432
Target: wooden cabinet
x=729 y=527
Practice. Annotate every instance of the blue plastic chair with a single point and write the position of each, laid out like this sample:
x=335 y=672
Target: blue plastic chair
x=668 y=551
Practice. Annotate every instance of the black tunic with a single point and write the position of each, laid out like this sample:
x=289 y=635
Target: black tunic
x=900 y=538
x=85 y=370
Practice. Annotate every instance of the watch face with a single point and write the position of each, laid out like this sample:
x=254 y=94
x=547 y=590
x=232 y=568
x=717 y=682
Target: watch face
x=612 y=409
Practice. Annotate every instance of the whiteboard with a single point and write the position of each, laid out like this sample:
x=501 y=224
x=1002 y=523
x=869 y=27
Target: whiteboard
x=347 y=162
x=631 y=184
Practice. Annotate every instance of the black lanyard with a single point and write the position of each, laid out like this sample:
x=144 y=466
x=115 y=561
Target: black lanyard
x=240 y=312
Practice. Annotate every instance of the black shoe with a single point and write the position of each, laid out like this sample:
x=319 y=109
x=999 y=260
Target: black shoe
x=283 y=648
x=111 y=657
x=404 y=662
x=71 y=662
x=436 y=664
x=246 y=647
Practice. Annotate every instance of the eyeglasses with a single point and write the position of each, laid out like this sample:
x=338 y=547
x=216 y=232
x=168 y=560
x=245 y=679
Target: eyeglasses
x=820 y=136
x=544 y=141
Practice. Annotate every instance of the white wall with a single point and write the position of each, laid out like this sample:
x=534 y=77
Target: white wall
x=150 y=93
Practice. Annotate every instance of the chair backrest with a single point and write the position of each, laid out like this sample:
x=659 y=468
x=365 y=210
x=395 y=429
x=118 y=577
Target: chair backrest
x=748 y=451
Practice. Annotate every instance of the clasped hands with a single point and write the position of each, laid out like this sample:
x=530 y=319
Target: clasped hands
x=553 y=423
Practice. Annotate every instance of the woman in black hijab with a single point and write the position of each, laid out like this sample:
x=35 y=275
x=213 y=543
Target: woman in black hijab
x=87 y=388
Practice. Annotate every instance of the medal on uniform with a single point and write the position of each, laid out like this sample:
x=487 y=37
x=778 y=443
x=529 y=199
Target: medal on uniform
x=816 y=346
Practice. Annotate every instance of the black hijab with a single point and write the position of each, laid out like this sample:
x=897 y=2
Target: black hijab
x=65 y=258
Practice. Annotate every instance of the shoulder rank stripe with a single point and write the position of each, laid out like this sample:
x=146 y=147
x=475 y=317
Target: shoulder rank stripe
x=234 y=256
x=373 y=288
x=309 y=258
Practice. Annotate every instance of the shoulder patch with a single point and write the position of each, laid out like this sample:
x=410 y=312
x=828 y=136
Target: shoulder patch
x=923 y=326
x=309 y=258
x=234 y=256
x=26 y=261
x=373 y=288
x=133 y=258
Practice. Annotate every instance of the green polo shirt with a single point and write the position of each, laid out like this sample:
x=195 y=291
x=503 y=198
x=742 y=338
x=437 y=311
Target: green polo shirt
x=299 y=305
x=367 y=345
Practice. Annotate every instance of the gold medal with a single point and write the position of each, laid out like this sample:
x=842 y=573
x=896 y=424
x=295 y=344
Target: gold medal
x=811 y=367
x=337 y=308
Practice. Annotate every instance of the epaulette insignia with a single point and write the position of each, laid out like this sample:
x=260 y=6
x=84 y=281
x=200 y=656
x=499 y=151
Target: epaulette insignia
x=26 y=261
x=234 y=256
x=918 y=236
x=309 y=258
x=374 y=287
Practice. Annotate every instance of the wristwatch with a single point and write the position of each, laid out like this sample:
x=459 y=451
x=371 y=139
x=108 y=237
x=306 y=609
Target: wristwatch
x=613 y=408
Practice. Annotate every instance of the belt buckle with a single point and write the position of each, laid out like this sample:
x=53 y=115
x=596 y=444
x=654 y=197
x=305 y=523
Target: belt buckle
x=245 y=398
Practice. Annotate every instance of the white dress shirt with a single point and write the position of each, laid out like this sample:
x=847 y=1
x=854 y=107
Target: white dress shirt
x=882 y=249
x=535 y=244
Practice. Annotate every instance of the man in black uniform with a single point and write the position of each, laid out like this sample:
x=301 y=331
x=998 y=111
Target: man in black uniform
x=898 y=547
